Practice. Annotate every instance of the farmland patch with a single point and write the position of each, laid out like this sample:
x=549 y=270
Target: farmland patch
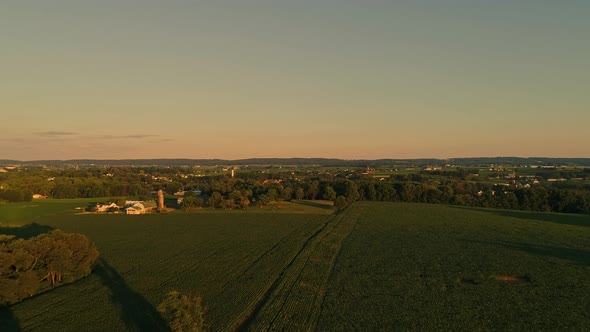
x=425 y=267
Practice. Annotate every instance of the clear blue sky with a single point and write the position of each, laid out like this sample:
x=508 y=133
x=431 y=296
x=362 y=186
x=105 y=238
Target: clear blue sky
x=323 y=78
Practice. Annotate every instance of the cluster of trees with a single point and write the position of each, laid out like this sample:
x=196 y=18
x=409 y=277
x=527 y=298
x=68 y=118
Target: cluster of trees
x=15 y=195
x=342 y=192
x=535 y=198
x=238 y=193
x=234 y=199
x=184 y=312
x=88 y=188
x=29 y=266
x=77 y=183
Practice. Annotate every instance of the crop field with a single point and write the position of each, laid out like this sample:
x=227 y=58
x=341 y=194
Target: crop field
x=427 y=267
x=228 y=259
x=374 y=266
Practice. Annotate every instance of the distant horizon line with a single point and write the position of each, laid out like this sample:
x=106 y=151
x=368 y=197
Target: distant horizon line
x=284 y=158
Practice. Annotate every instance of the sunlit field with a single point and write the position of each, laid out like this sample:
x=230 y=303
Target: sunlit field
x=373 y=266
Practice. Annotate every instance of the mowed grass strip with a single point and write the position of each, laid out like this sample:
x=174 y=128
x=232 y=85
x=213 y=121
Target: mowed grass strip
x=294 y=303
x=430 y=267
x=16 y=214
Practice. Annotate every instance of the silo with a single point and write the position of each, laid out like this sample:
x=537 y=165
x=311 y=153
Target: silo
x=160 y=200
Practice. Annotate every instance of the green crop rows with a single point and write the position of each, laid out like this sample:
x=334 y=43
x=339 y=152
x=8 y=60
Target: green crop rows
x=428 y=267
x=230 y=260
x=374 y=266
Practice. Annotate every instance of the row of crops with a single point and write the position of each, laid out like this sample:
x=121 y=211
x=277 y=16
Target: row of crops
x=426 y=267
x=228 y=260
x=374 y=266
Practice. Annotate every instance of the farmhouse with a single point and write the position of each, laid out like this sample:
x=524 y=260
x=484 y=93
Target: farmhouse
x=106 y=207
x=136 y=208
x=139 y=207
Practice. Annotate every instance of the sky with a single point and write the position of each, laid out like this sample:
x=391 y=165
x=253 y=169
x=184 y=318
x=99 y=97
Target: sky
x=122 y=79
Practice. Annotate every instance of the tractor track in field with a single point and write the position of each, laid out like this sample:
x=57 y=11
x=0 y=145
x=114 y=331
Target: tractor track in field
x=247 y=320
x=264 y=261
x=294 y=299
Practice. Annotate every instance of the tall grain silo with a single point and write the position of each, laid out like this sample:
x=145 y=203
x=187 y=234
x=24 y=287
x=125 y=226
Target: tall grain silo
x=160 y=200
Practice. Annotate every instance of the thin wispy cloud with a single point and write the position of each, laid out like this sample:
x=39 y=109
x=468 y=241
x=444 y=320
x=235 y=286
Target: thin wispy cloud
x=17 y=140
x=54 y=133
x=136 y=136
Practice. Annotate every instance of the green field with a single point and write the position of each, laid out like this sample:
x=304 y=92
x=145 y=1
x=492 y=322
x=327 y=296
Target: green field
x=375 y=266
x=428 y=267
x=39 y=210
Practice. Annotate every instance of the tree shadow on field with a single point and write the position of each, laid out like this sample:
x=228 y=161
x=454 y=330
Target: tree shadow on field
x=557 y=218
x=574 y=255
x=137 y=313
x=26 y=231
x=8 y=322
x=313 y=204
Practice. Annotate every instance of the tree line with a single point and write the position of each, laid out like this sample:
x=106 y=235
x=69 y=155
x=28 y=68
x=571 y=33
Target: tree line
x=259 y=188
x=30 y=266
x=231 y=193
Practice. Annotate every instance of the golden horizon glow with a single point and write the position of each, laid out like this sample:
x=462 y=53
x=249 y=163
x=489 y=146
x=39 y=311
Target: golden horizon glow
x=333 y=79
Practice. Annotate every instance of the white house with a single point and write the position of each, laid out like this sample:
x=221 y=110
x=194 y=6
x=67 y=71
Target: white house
x=132 y=210
x=105 y=207
x=136 y=208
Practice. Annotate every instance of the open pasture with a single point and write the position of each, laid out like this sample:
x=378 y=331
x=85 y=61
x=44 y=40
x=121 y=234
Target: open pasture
x=36 y=211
